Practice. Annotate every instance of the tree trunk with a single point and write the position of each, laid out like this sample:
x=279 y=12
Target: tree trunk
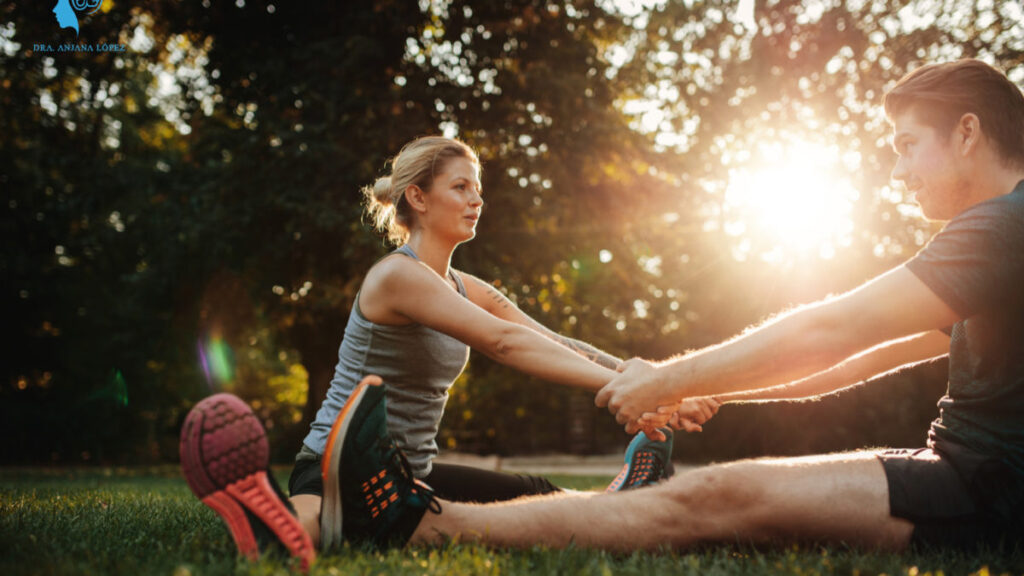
x=318 y=346
x=581 y=423
x=320 y=374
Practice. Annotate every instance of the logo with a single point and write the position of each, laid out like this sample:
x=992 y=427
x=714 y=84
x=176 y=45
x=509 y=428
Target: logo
x=65 y=11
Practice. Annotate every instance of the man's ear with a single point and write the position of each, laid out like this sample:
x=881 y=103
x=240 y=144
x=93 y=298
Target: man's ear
x=968 y=133
x=415 y=197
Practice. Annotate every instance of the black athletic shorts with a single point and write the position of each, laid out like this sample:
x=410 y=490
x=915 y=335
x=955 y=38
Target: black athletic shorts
x=449 y=481
x=955 y=497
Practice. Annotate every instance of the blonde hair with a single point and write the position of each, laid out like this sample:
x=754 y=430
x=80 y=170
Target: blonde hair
x=416 y=164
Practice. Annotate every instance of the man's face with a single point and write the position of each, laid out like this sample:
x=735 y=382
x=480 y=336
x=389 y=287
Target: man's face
x=929 y=167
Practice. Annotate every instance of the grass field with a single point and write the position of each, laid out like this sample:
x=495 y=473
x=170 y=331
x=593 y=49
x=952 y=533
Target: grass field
x=145 y=521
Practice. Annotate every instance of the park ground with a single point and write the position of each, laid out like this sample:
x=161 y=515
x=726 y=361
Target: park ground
x=144 y=520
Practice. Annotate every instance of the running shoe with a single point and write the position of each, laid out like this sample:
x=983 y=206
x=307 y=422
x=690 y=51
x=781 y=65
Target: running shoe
x=647 y=462
x=370 y=494
x=225 y=458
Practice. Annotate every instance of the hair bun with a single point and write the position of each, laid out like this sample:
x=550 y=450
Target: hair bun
x=382 y=191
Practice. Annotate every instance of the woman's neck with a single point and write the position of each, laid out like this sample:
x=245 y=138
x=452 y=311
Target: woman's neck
x=433 y=252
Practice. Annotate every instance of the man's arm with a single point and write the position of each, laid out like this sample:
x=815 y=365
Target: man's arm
x=878 y=361
x=874 y=363
x=491 y=299
x=790 y=348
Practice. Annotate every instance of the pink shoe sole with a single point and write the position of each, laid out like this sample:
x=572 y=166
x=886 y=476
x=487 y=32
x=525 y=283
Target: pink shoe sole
x=224 y=457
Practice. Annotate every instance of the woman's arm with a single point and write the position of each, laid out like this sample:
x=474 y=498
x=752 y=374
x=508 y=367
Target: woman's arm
x=401 y=288
x=492 y=300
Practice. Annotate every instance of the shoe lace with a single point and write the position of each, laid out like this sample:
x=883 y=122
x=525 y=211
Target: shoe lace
x=399 y=463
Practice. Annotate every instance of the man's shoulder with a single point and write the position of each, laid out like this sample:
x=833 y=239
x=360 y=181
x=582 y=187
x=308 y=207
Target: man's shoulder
x=1002 y=215
x=1010 y=204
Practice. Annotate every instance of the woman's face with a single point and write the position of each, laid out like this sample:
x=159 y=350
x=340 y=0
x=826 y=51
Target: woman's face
x=453 y=202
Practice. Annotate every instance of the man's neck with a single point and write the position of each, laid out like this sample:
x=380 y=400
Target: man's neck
x=992 y=178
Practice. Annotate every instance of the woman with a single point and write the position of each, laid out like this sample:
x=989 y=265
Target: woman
x=415 y=319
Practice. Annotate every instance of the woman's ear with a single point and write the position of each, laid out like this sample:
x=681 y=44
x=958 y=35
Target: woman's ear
x=415 y=197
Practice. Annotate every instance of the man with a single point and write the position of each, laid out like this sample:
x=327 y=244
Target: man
x=959 y=133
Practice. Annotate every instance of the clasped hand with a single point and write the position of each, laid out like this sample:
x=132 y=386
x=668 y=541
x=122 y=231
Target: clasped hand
x=640 y=401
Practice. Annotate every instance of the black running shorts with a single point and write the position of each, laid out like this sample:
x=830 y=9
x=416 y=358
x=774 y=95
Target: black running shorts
x=956 y=498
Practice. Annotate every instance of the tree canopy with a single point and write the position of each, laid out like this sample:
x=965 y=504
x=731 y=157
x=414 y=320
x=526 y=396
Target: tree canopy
x=184 y=216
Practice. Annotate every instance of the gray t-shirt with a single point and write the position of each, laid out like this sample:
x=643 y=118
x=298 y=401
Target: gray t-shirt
x=976 y=265
x=418 y=366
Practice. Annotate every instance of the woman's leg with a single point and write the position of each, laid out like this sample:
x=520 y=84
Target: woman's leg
x=306 y=488
x=225 y=459
x=307 y=508
x=465 y=484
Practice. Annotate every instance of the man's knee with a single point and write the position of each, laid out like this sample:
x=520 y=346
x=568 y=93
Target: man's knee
x=714 y=488
x=713 y=502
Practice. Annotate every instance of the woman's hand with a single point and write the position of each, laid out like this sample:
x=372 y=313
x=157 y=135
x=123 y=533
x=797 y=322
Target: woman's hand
x=689 y=415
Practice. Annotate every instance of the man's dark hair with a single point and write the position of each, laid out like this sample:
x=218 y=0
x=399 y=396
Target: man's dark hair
x=942 y=93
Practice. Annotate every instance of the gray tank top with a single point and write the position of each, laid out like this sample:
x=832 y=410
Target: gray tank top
x=418 y=366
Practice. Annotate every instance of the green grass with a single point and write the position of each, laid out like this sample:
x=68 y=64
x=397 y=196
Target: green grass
x=145 y=521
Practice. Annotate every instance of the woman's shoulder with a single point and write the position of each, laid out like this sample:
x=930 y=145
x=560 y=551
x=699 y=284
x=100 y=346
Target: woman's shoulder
x=394 y=268
x=389 y=283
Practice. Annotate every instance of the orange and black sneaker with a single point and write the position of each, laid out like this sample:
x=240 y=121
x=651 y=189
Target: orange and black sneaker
x=370 y=495
x=225 y=459
x=647 y=462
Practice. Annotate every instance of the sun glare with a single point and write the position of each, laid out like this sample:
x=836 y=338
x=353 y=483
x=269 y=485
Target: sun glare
x=791 y=202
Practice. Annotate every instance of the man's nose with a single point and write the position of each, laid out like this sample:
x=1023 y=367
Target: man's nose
x=899 y=171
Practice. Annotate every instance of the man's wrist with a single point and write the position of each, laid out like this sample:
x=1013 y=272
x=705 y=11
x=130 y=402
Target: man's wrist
x=666 y=380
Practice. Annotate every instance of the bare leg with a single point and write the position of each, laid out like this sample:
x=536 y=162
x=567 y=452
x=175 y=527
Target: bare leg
x=307 y=507
x=833 y=498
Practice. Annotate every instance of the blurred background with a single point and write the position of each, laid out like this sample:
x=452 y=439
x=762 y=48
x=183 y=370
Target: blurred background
x=184 y=217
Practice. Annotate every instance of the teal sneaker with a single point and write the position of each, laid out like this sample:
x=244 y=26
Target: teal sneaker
x=370 y=494
x=647 y=462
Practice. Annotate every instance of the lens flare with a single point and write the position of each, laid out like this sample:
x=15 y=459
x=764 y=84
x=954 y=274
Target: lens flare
x=119 y=388
x=217 y=361
x=116 y=389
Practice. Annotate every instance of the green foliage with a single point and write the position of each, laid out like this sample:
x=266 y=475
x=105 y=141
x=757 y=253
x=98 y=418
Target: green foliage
x=205 y=184
x=146 y=521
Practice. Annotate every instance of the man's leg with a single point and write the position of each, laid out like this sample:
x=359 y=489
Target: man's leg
x=834 y=498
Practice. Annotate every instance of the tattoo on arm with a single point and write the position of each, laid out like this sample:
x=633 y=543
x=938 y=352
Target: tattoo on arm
x=494 y=293
x=589 y=352
x=582 y=348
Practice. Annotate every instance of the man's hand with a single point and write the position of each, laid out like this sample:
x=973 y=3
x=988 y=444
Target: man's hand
x=636 y=390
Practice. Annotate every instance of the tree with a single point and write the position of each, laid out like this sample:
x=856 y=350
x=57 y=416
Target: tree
x=192 y=204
